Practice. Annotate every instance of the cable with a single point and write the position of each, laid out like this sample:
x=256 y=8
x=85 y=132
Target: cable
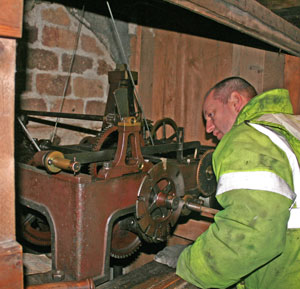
x=69 y=74
x=28 y=134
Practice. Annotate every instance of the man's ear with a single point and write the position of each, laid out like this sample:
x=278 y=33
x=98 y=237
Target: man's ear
x=236 y=101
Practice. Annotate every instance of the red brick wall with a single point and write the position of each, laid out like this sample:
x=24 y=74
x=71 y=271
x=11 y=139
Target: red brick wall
x=43 y=61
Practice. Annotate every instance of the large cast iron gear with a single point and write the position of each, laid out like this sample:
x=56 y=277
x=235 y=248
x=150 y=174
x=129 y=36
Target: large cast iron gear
x=104 y=139
x=34 y=229
x=124 y=243
x=155 y=221
x=88 y=140
x=160 y=131
x=206 y=180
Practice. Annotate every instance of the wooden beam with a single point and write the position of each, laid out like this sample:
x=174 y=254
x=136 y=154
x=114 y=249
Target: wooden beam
x=11 y=15
x=279 y=4
x=249 y=17
x=152 y=275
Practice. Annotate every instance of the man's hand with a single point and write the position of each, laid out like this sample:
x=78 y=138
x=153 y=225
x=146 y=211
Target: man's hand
x=169 y=255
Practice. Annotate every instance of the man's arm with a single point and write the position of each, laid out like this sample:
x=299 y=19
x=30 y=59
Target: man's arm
x=247 y=234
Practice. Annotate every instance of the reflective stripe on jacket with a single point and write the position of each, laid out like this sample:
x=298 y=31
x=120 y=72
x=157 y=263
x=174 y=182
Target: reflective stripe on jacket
x=292 y=124
x=294 y=220
x=268 y=181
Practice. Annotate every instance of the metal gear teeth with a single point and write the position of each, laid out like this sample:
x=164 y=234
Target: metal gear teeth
x=97 y=147
x=124 y=256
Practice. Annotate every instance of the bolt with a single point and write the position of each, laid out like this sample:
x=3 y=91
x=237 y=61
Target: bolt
x=106 y=165
x=58 y=275
x=175 y=203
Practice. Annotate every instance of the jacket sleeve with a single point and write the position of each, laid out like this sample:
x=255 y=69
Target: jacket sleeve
x=251 y=229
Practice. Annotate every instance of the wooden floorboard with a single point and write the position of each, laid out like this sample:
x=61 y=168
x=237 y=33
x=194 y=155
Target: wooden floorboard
x=152 y=275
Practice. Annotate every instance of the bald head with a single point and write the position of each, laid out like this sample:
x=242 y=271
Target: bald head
x=223 y=89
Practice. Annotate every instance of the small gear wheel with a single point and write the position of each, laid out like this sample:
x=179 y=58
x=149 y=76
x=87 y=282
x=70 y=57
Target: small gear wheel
x=206 y=180
x=164 y=131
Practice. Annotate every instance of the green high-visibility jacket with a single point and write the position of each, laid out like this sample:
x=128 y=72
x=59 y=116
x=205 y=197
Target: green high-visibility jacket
x=249 y=242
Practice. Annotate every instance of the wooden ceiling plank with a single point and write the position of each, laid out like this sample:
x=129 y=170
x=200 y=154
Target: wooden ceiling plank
x=279 y=4
x=249 y=17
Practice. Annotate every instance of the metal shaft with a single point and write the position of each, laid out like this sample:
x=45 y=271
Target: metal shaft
x=199 y=208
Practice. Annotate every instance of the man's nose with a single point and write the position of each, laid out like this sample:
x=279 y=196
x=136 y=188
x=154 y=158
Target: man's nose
x=209 y=126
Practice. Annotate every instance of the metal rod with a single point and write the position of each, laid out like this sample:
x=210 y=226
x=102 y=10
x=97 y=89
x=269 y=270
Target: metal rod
x=92 y=117
x=28 y=134
x=64 y=125
x=108 y=154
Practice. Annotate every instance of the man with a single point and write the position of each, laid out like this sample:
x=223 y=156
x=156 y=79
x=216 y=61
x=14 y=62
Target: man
x=253 y=241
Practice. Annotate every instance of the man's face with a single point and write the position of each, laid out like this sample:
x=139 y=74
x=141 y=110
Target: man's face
x=219 y=116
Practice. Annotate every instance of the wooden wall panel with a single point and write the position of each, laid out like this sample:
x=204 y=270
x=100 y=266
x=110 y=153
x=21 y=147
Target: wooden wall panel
x=248 y=63
x=181 y=81
x=273 y=76
x=146 y=70
x=193 y=86
x=263 y=69
x=176 y=70
x=164 y=80
x=184 y=68
x=292 y=80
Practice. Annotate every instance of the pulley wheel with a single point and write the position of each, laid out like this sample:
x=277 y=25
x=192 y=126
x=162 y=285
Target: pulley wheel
x=206 y=180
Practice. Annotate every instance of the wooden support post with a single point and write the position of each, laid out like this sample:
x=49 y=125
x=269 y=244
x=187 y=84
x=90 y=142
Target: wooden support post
x=11 y=269
x=11 y=265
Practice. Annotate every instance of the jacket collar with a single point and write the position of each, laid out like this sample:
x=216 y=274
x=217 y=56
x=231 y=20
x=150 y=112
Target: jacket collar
x=272 y=101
